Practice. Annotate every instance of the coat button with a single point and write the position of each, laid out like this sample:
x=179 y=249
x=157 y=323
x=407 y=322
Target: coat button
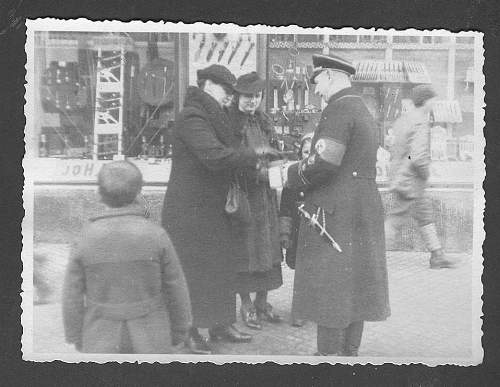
x=355 y=173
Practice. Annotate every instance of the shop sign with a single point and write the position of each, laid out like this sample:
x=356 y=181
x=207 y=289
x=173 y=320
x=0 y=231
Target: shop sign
x=61 y=171
x=54 y=171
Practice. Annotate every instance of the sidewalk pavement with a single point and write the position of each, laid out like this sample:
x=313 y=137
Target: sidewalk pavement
x=431 y=313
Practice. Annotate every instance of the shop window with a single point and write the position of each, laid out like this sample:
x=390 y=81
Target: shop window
x=309 y=38
x=281 y=38
x=372 y=39
x=435 y=39
x=103 y=96
x=343 y=38
x=465 y=40
x=406 y=39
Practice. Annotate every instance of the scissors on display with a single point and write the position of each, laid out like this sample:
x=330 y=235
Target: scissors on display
x=247 y=54
x=222 y=51
x=200 y=48
x=235 y=49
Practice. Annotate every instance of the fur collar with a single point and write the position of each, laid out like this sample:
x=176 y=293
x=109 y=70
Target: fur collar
x=197 y=99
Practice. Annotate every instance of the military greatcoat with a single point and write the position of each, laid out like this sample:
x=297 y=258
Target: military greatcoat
x=335 y=288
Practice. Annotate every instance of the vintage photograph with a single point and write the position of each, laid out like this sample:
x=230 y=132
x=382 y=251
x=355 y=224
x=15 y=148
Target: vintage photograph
x=222 y=193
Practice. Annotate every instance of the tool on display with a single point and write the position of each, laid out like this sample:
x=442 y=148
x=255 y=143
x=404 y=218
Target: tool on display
x=211 y=51
x=247 y=54
x=222 y=51
x=200 y=48
x=235 y=50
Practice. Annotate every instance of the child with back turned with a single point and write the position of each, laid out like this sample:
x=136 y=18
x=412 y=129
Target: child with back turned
x=124 y=290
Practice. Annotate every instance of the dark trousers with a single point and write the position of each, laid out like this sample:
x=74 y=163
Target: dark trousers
x=420 y=208
x=340 y=341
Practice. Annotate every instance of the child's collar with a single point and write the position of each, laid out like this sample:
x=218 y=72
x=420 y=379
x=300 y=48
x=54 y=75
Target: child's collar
x=134 y=209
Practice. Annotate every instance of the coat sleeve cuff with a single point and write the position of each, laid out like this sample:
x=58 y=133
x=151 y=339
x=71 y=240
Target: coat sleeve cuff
x=295 y=176
x=285 y=225
x=248 y=158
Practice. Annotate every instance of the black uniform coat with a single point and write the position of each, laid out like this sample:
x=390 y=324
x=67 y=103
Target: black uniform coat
x=290 y=221
x=205 y=157
x=331 y=288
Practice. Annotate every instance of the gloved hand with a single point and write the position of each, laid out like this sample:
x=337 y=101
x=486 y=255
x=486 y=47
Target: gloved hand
x=285 y=241
x=262 y=174
x=268 y=151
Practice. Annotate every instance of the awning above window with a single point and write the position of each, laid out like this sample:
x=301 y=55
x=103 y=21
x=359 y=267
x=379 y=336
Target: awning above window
x=447 y=111
x=390 y=71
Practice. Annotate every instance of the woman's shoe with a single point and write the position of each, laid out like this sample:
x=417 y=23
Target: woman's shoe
x=249 y=317
x=198 y=344
x=229 y=333
x=268 y=314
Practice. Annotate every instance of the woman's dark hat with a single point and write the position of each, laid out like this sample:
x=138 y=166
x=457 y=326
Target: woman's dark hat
x=217 y=74
x=334 y=62
x=250 y=83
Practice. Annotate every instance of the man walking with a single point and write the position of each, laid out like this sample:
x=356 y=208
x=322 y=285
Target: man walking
x=409 y=172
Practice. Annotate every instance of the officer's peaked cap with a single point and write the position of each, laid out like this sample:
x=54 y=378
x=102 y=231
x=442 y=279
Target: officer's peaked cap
x=334 y=62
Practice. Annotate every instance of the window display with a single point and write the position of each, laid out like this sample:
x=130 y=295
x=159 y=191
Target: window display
x=101 y=96
x=237 y=52
x=105 y=95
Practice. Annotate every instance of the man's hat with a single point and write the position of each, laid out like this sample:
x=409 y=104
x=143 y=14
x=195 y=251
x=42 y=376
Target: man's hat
x=250 y=83
x=334 y=62
x=217 y=74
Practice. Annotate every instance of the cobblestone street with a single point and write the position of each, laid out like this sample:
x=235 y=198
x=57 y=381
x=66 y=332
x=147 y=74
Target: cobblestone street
x=431 y=314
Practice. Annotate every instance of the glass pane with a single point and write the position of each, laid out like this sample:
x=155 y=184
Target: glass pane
x=343 y=38
x=104 y=94
x=465 y=40
x=406 y=39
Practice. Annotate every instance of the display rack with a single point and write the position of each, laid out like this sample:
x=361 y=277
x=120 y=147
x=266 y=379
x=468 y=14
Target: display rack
x=384 y=85
x=108 y=117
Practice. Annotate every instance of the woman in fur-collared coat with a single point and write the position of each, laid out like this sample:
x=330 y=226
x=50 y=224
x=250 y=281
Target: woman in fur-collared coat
x=206 y=154
x=259 y=257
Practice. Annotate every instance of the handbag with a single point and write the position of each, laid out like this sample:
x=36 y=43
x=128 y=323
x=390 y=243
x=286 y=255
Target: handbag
x=237 y=205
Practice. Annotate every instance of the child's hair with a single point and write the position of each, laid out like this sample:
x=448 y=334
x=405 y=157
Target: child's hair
x=119 y=183
x=305 y=138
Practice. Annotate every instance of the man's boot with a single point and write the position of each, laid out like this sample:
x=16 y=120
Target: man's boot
x=353 y=334
x=439 y=261
x=431 y=239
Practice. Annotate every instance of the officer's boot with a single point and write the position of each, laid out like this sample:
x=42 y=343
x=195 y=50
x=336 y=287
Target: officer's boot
x=353 y=334
x=330 y=341
x=438 y=259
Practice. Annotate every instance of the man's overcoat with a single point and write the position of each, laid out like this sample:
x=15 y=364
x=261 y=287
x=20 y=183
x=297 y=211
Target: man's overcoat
x=336 y=288
x=206 y=155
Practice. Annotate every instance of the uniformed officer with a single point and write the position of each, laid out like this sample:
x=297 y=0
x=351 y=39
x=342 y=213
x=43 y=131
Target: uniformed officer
x=341 y=270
